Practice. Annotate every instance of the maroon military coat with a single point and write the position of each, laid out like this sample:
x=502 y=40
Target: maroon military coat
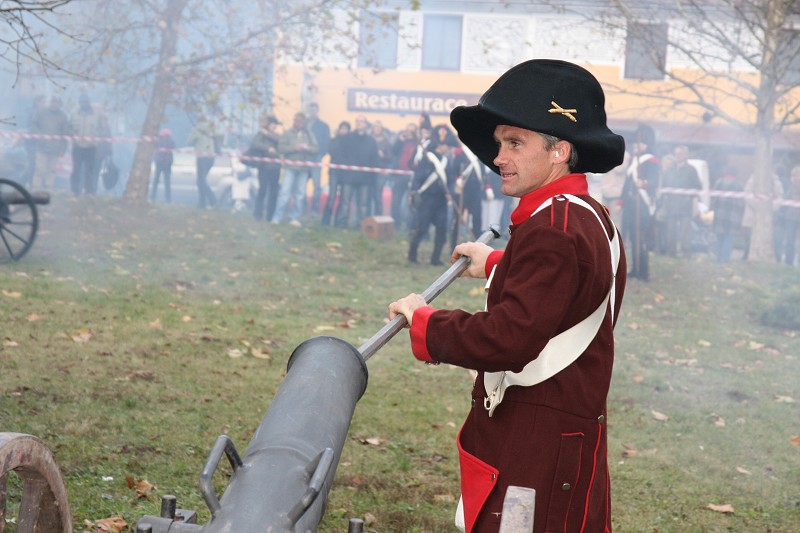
x=556 y=270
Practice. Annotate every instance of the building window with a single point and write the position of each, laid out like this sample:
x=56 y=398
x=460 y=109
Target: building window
x=378 y=35
x=646 y=51
x=441 y=42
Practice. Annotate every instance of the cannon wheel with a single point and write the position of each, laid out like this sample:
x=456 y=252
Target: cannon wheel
x=43 y=505
x=19 y=221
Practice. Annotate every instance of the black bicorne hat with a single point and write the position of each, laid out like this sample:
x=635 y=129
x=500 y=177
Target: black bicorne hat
x=547 y=96
x=646 y=135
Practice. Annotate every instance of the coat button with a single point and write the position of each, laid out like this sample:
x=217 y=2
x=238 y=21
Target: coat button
x=600 y=419
x=473 y=402
x=566 y=486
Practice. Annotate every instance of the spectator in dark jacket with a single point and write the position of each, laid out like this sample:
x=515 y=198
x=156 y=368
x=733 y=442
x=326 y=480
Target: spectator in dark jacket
x=792 y=216
x=728 y=214
x=340 y=155
x=403 y=151
x=51 y=121
x=265 y=145
x=364 y=154
x=322 y=133
x=163 y=158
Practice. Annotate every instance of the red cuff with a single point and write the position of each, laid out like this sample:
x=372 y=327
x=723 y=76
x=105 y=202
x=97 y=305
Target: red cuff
x=491 y=261
x=419 y=332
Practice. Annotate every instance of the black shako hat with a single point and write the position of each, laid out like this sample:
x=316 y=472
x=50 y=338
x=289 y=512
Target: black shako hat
x=547 y=96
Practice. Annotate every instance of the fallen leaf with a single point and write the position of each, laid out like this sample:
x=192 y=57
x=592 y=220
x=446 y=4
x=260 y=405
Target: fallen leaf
x=155 y=324
x=661 y=417
x=258 y=353
x=658 y=298
x=186 y=318
x=11 y=294
x=323 y=328
x=628 y=450
x=33 y=317
x=637 y=379
x=718 y=420
x=724 y=508
x=114 y=524
x=704 y=343
x=784 y=399
x=633 y=325
x=743 y=471
x=444 y=498
x=84 y=335
x=146 y=375
x=370 y=518
x=8 y=342
x=142 y=486
x=796 y=440
x=233 y=353
x=753 y=345
x=374 y=441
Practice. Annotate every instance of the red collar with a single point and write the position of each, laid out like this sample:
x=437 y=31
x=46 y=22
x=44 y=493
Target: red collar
x=570 y=184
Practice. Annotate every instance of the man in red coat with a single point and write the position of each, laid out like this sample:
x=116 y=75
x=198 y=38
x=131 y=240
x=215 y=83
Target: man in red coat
x=544 y=347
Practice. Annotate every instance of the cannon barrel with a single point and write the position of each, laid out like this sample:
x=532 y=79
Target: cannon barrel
x=15 y=198
x=281 y=483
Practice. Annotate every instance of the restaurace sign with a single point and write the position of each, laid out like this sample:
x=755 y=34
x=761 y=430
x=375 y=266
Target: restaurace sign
x=406 y=102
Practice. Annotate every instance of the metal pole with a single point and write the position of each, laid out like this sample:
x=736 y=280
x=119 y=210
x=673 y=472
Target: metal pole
x=369 y=348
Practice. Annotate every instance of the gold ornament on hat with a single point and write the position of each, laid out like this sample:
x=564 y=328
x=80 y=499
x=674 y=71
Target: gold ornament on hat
x=566 y=112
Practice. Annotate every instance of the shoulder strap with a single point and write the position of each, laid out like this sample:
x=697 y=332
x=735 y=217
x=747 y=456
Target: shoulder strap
x=565 y=348
x=438 y=173
x=473 y=165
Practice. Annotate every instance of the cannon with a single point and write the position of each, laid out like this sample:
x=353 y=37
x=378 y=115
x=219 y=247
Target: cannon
x=19 y=219
x=281 y=482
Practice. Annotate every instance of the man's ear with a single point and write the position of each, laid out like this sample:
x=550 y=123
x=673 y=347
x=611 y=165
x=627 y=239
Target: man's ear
x=561 y=152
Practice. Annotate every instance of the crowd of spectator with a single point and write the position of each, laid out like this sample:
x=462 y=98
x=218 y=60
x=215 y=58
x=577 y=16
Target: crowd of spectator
x=662 y=206
x=367 y=163
x=428 y=179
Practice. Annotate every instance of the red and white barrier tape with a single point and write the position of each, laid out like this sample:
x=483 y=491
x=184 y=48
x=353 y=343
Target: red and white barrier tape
x=18 y=135
x=729 y=194
x=277 y=160
x=380 y=170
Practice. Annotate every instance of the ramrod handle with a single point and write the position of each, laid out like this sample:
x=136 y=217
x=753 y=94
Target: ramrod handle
x=369 y=348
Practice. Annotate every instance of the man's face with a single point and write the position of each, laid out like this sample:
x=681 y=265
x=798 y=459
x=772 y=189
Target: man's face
x=299 y=122
x=361 y=124
x=524 y=162
x=681 y=155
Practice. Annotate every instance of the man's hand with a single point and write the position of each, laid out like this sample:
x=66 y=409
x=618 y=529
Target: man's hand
x=406 y=306
x=477 y=253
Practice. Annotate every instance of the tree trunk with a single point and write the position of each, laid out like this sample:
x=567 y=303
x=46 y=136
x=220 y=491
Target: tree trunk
x=139 y=180
x=762 y=247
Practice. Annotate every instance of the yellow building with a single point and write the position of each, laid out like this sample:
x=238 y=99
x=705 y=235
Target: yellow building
x=448 y=53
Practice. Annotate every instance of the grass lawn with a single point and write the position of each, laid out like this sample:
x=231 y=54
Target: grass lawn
x=131 y=338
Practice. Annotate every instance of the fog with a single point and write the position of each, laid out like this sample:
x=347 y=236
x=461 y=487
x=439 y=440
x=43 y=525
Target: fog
x=240 y=68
